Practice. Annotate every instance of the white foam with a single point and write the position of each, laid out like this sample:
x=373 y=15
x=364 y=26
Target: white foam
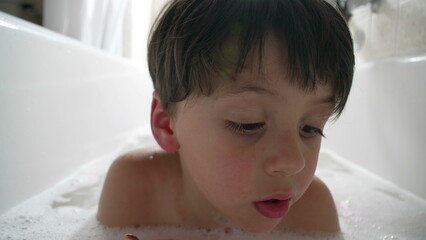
x=369 y=208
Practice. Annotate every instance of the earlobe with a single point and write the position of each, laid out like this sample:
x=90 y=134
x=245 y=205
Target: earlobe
x=161 y=127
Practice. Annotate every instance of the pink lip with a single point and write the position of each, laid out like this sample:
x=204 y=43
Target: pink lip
x=274 y=206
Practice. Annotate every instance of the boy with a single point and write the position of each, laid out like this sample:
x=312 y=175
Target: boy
x=243 y=89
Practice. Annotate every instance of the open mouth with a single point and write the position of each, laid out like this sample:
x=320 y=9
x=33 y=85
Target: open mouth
x=273 y=207
x=272 y=201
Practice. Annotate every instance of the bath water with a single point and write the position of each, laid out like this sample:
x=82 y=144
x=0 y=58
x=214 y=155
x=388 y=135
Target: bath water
x=368 y=207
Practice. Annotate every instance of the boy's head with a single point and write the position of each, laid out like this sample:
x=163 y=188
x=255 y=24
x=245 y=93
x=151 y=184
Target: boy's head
x=193 y=40
x=262 y=78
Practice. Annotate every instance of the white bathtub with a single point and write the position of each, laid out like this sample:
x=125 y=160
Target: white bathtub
x=61 y=105
x=67 y=110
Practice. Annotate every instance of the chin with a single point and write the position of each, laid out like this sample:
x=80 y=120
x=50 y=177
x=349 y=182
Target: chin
x=260 y=227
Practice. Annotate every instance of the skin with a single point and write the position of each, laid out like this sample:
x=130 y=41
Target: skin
x=210 y=171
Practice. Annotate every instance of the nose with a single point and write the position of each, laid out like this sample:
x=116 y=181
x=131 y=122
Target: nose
x=286 y=156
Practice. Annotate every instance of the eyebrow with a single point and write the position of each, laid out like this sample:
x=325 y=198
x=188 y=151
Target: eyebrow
x=247 y=88
x=261 y=90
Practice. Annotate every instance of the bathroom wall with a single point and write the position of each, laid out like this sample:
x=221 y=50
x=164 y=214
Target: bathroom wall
x=398 y=29
x=382 y=127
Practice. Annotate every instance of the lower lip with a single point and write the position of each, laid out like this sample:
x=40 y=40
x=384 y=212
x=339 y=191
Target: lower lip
x=276 y=209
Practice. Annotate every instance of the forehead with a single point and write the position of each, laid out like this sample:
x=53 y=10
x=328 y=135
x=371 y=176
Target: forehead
x=269 y=91
x=277 y=91
x=264 y=73
x=267 y=66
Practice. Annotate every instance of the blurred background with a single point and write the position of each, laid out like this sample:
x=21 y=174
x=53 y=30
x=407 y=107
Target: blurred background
x=381 y=28
x=119 y=27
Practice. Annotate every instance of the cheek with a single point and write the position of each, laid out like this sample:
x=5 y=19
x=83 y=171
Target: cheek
x=224 y=175
x=312 y=160
x=228 y=175
x=306 y=176
x=219 y=167
x=235 y=173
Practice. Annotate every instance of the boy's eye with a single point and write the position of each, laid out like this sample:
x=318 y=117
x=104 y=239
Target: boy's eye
x=245 y=128
x=309 y=131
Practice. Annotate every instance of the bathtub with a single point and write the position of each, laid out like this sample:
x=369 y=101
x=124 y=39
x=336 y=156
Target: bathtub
x=62 y=104
x=67 y=110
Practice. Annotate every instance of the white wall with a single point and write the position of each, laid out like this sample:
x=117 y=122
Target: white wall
x=383 y=127
x=398 y=29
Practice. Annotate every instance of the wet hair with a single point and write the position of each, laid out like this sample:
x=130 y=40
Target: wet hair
x=190 y=40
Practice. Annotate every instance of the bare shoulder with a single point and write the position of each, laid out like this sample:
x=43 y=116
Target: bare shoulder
x=129 y=192
x=315 y=210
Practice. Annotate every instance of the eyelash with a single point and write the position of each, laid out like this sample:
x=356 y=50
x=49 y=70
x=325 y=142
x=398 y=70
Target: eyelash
x=311 y=131
x=252 y=128
x=245 y=128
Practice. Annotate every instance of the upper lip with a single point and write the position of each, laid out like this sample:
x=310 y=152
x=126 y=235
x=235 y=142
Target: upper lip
x=277 y=196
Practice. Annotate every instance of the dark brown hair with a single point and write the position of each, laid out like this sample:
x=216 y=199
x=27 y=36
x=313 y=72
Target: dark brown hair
x=188 y=39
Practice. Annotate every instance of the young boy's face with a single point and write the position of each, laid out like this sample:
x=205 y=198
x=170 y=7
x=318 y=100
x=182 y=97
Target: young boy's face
x=254 y=139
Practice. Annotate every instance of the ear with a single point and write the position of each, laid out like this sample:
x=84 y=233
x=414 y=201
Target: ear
x=161 y=126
